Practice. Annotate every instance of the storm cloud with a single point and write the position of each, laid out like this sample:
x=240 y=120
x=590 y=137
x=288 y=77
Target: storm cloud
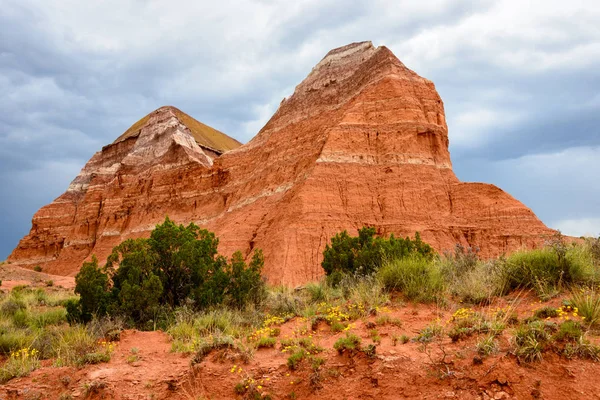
x=520 y=81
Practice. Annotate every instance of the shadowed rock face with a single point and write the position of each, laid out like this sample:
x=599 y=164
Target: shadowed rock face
x=362 y=141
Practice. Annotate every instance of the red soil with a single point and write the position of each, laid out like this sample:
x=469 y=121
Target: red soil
x=400 y=371
x=12 y=276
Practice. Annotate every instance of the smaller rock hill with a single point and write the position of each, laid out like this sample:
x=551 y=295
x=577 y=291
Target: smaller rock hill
x=206 y=137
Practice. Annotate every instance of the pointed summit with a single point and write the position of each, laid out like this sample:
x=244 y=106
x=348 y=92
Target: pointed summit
x=204 y=135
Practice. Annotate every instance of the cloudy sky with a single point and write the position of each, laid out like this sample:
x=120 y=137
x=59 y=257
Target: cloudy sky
x=520 y=81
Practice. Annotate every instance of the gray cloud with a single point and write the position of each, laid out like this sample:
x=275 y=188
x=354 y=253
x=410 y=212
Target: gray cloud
x=519 y=81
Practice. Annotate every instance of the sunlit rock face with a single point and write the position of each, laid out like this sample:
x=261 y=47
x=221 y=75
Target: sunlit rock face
x=362 y=141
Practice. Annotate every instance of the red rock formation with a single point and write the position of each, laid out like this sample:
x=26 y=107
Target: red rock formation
x=362 y=141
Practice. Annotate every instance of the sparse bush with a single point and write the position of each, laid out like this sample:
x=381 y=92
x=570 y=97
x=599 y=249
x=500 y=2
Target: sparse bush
x=294 y=360
x=283 y=300
x=545 y=270
x=350 y=343
x=190 y=329
x=366 y=291
x=476 y=285
x=530 y=341
x=54 y=316
x=593 y=244
x=12 y=305
x=416 y=277
x=370 y=350
x=37 y=268
x=569 y=331
x=546 y=312
x=265 y=342
x=487 y=345
x=429 y=333
x=462 y=261
x=19 y=363
x=217 y=342
x=322 y=292
x=582 y=348
x=374 y=333
x=587 y=302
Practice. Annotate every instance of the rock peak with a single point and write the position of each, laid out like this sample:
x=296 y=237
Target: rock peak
x=204 y=135
x=347 y=54
x=362 y=141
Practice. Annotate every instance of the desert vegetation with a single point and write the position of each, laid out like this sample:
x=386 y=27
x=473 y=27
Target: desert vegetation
x=34 y=327
x=176 y=282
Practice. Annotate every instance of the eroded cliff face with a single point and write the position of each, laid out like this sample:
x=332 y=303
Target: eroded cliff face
x=362 y=141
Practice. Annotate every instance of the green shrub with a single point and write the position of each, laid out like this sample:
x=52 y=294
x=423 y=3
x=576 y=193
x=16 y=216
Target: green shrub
x=175 y=265
x=582 y=348
x=546 y=312
x=51 y=317
x=12 y=305
x=20 y=318
x=569 y=331
x=530 y=341
x=294 y=360
x=364 y=254
x=14 y=340
x=264 y=342
x=546 y=269
x=532 y=268
x=462 y=261
x=207 y=345
x=416 y=277
x=20 y=363
x=350 y=343
x=337 y=326
x=316 y=363
x=587 y=302
x=429 y=333
x=374 y=334
x=37 y=268
x=309 y=346
x=487 y=345
x=321 y=292
x=476 y=285
x=91 y=284
x=73 y=345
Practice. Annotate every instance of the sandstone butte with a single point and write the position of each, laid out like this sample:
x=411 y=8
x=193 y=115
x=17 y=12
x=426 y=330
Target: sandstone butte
x=363 y=140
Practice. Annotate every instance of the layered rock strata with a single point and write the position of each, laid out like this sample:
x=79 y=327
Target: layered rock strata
x=362 y=141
